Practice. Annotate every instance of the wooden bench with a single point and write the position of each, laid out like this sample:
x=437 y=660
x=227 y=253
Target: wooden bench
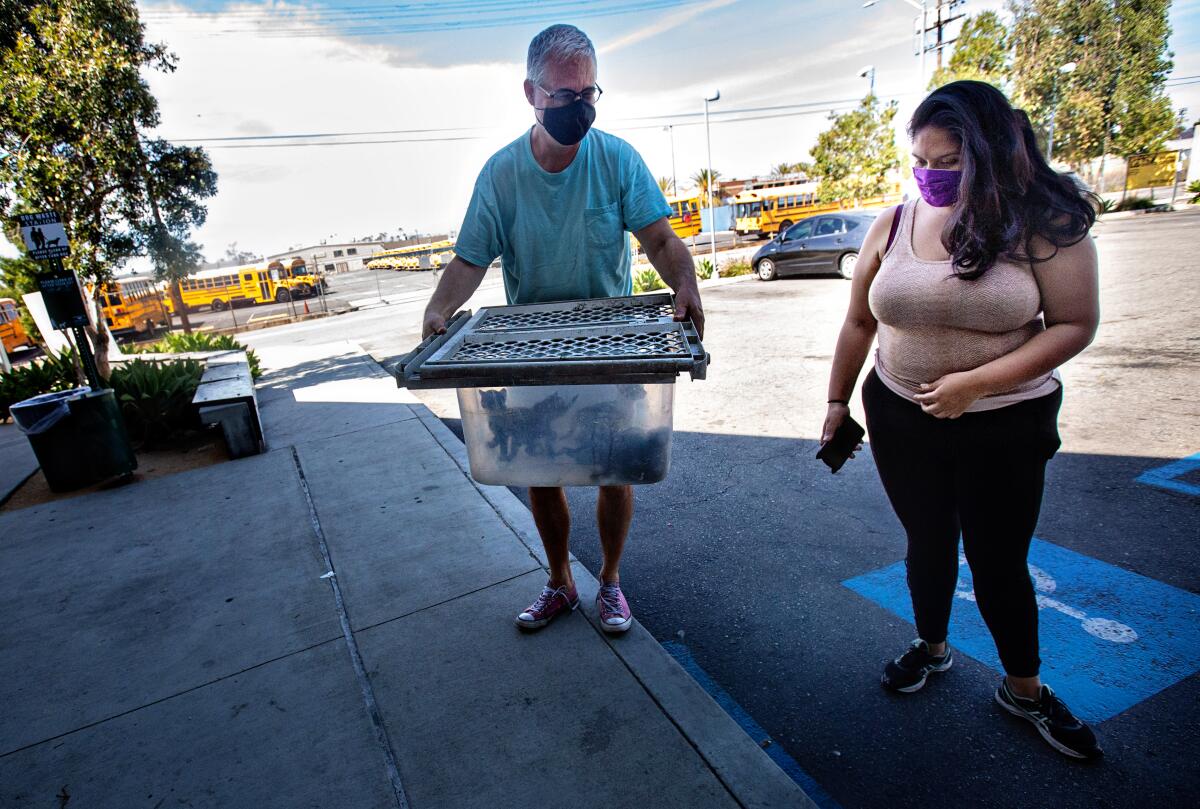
x=226 y=397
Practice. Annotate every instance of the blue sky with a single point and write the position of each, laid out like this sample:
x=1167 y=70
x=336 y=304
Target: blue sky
x=280 y=68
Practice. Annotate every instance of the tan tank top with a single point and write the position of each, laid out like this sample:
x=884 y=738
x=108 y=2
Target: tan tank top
x=932 y=323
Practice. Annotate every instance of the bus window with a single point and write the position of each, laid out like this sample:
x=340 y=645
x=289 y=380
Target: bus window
x=248 y=276
x=114 y=300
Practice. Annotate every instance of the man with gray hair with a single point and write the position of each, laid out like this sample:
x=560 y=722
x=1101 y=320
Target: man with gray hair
x=556 y=206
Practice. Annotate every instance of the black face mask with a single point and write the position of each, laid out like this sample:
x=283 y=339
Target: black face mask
x=569 y=124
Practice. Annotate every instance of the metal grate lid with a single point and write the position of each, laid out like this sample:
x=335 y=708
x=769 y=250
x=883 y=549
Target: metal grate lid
x=607 y=340
x=626 y=311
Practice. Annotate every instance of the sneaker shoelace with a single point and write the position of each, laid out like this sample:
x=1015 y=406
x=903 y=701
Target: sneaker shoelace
x=610 y=598
x=1055 y=708
x=917 y=655
x=543 y=601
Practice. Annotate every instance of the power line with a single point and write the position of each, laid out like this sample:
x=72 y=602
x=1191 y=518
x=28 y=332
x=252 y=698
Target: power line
x=662 y=120
x=397 y=10
x=320 y=24
x=742 y=119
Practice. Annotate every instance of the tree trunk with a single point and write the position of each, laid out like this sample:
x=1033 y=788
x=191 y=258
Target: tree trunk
x=99 y=336
x=180 y=307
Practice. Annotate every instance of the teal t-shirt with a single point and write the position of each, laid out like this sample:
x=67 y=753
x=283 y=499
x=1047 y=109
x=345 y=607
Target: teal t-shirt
x=561 y=236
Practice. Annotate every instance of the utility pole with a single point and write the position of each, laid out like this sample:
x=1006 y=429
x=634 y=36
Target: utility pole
x=674 y=186
x=940 y=23
x=712 y=215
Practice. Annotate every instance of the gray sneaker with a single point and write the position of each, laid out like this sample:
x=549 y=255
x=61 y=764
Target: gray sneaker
x=1053 y=719
x=908 y=672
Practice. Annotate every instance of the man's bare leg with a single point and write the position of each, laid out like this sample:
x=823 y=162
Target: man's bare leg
x=614 y=513
x=553 y=519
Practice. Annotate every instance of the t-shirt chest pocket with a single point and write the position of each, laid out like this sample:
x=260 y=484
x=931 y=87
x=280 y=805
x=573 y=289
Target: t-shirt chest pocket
x=603 y=226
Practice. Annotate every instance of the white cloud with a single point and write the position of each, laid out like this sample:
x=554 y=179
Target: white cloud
x=662 y=25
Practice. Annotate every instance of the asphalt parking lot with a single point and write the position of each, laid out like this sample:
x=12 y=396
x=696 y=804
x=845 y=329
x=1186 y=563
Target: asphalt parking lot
x=785 y=583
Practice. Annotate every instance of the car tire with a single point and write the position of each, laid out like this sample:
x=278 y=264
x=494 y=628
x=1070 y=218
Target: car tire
x=218 y=305
x=846 y=265
x=282 y=296
x=766 y=270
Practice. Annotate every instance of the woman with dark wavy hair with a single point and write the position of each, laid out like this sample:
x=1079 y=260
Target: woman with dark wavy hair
x=977 y=292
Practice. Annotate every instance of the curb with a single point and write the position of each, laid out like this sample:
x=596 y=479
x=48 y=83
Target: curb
x=752 y=778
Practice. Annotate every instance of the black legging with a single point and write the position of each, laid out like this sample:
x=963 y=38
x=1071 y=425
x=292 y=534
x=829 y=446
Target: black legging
x=981 y=474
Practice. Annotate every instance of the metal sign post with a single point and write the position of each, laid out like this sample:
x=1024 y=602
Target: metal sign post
x=46 y=240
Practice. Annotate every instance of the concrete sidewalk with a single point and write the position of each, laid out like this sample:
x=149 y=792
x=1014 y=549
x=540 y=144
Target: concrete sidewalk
x=330 y=625
x=17 y=461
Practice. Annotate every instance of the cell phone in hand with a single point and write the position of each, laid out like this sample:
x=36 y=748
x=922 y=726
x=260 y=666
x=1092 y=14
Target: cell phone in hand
x=848 y=435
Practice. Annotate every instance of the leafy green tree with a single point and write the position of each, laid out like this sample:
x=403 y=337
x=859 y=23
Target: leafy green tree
x=73 y=106
x=780 y=170
x=854 y=157
x=980 y=52
x=174 y=260
x=1115 y=101
x=702 y=180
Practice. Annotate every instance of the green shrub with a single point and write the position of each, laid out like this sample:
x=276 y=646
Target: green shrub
x=735 y=268
x=704 y=269
x=1194 y=189
x=180 y=343
x=1106 y=205
x=53 y=372
x=156 y=399
x=1136 y=204
x=647 y=280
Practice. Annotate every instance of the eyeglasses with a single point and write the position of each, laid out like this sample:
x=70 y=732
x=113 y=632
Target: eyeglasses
x=563 y=97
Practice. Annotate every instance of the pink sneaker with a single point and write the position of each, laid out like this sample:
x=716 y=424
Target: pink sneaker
x=548 y=606
x=615 y=616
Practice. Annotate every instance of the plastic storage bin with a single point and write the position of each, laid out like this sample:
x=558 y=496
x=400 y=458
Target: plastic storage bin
x=572 y=393
x=568 y=435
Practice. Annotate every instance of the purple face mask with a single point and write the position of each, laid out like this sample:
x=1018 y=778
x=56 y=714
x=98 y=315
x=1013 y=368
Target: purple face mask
x=939 y=187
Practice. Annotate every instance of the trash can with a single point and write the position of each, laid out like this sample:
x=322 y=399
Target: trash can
x=77 y=435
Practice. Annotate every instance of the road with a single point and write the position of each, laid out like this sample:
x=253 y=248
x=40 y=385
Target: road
x=783 y=583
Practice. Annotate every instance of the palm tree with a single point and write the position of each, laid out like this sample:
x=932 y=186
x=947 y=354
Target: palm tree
x=664 y=183
x=781 y=170
x=701 y=180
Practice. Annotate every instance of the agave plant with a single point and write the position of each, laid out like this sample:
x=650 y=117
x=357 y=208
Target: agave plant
x=156 y=399
x=180 y=343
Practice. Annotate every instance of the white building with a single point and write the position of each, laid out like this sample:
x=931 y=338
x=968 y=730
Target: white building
x=332 y=258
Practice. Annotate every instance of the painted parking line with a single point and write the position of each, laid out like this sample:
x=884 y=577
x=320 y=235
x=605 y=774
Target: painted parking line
x=1109 y=638
x=1171 y=476
x=772 y=748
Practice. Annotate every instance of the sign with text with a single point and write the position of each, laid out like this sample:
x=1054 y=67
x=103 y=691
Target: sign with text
x=63 y=300
x=44 y=235
x=1150 y=170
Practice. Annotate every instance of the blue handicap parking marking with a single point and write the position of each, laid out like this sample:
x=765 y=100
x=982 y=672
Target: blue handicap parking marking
x=1109 y=638
x=1172 y=476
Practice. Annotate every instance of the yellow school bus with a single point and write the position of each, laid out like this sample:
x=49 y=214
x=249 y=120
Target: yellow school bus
x=249 y=284
x=132 y=307
x=766 y=211
x=12 y=333
x=293 y=279
x=428 y=256
x=685 y=215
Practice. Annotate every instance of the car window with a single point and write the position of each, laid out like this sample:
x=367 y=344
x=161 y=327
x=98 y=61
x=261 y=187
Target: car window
x=830 y=225
x=800 y=230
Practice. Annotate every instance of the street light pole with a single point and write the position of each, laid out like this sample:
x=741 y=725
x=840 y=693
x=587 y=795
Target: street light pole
x=674 y=186
x=712 y=216
x=868 y=72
